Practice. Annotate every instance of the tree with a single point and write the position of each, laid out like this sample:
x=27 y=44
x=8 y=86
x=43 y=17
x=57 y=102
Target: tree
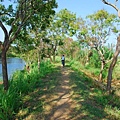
x=19 y=16
x=97 y=33
x=114 y=60
x=63 y=24
x=70 y=48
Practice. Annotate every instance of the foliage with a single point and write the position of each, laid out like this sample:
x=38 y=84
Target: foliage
x=21 y=16
x=21 y=84
x=67 y=22
x=70 y=48
x=30 y=37
x=91 y=99
x=24 y=43
x=99 y=27
x=94 y=60
x=63 y=24
x=9 y=103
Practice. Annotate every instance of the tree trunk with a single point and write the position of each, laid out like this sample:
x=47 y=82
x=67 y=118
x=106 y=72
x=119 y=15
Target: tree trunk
x=4 y=70
x=101 y=71
x=54 y=57
x=54 y=53
x=112 y=65
x=50 y=58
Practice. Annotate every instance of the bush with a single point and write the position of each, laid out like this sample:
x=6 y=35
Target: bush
x=10 y=102
x=21 y=84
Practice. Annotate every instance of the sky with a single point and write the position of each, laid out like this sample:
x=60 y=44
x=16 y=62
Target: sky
x=82 y=8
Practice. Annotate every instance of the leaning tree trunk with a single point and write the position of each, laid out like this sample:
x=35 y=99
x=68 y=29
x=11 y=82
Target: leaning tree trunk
x=112 y=65
x=101 y=71
x=4 y=70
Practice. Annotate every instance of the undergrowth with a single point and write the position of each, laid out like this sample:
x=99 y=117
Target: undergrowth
x=21 y=84
x=96 y=103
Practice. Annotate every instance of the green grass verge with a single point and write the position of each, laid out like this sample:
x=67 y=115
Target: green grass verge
x=92 y=103
x=22 y=84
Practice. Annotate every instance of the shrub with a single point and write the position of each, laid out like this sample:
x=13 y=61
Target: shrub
x=21 y=84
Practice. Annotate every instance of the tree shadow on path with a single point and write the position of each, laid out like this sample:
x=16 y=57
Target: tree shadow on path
x=64 y=95
x=72 y=98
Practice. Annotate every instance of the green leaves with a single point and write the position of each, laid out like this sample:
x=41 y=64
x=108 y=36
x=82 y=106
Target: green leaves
x=67 y=20
x=100 y=24
x=84 y=32
x=114 y=30
x=99 y=15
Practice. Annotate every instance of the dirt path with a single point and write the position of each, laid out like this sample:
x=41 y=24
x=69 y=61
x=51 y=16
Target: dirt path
x=55 y=96
x=64 y=95
x=53 y=100
x=59 y=105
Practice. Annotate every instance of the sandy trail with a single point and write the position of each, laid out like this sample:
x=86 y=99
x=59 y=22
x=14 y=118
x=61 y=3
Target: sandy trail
x=60 y=104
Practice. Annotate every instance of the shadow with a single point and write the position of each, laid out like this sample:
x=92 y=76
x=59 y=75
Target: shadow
x=81 y=104
x=60 y=104
x=81 y=88
x=65 y=95
x=33 y=103
x=91 y=101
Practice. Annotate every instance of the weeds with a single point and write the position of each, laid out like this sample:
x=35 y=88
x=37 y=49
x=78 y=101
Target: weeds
x=95 y=103
x=21 y=84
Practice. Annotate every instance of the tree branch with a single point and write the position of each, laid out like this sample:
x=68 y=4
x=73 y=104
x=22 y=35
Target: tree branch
x=5 y=32
x=112 y=5
x=19 y=28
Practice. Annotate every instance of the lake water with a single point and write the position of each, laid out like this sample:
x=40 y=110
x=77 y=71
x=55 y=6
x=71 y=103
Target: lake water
x=13 y=64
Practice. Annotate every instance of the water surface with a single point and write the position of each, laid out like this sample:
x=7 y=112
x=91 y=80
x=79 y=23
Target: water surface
x=13 y=64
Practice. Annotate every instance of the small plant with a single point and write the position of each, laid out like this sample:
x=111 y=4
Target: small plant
x=21 y=84
x=9 y=103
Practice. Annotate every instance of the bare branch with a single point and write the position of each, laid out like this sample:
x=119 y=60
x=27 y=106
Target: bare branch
x=112 y=5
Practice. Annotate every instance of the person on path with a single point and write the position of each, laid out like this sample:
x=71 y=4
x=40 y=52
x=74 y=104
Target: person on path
x=63 y=60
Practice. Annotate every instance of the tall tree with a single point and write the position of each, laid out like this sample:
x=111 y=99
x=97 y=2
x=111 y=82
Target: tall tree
x=114 y=60
x=63 y=24
x=19 y=16
x=98 y=32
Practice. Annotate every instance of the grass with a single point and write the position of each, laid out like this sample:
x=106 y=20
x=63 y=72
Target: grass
x=92 y=102
x=34 y=101
x=85 y=98
x=23 y=85
x=26 y=97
